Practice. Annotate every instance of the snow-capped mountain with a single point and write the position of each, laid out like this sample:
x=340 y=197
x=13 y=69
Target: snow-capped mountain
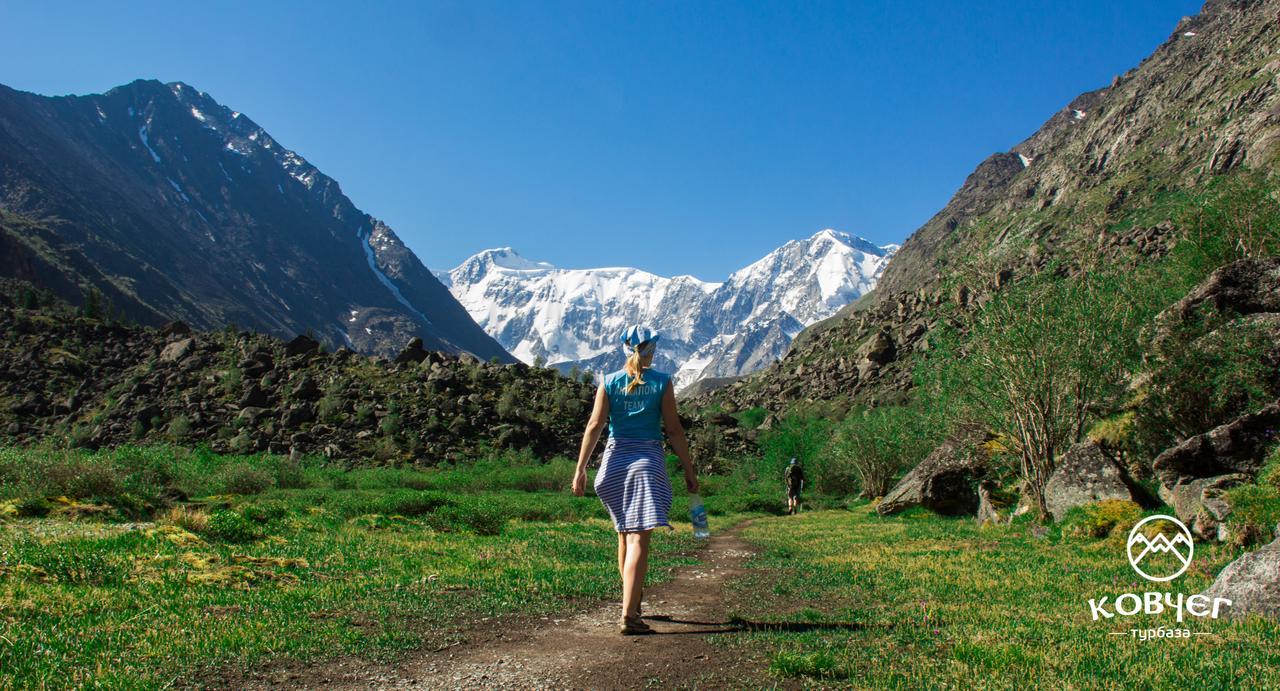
x=571 y=317
x=173 y=206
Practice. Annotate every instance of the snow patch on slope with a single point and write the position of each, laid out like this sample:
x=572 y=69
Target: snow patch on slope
x=363 y=237
x=142 y=135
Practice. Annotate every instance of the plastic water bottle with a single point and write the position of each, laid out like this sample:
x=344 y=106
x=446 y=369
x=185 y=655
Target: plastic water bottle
x=698 y=516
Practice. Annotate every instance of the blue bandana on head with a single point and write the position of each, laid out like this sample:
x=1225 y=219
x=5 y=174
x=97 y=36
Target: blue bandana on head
x=640 y=339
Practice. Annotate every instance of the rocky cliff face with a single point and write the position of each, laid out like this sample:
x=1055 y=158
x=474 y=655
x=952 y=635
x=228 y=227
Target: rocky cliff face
x=176 y=207
x=571 y=317
x=1206 y=103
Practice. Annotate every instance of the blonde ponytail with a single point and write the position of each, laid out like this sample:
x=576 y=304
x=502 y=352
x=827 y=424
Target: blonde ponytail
x=636 y=369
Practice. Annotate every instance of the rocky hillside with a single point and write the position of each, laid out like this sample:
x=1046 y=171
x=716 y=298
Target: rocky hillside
x=69 y=378
x=175 y=207
x=1205 y=104
x=571 y=317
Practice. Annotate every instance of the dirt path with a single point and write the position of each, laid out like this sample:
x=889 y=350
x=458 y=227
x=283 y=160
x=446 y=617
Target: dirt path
x=585 y=651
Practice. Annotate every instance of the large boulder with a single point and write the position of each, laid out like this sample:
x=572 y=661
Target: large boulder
x=413 y=352
x=1201 y=503
x=257 y=364
x=946 y=481
x=1238 y=446
x=1246 y=286
x=1196 y=474
x=301 y=344
x=1084 y=475
x=175 y=328
x=254 y=397
x=1252 y=583
x=305 y=389
x=297 y=415
x=178 y=350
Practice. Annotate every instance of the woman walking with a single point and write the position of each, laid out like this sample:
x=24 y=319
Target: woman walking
x=637 y=404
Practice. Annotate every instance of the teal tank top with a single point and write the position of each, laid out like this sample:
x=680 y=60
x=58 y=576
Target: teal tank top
x=636 y=415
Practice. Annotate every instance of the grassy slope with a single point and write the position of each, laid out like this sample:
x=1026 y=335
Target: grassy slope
x=942 y=603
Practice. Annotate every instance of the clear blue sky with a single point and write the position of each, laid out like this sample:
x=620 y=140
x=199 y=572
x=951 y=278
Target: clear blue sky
x=681 y=137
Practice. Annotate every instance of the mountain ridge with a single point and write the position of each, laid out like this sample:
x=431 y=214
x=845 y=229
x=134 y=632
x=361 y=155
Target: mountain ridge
x=174 y=206
x=710 y=329
x=1204 y=104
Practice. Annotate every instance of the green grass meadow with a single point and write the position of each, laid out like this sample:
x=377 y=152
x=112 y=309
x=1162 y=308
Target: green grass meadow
x=152 y=567
x=932 y=602
x=94 y=592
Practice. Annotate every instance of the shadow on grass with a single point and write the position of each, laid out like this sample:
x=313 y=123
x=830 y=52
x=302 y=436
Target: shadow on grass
x=736 y=625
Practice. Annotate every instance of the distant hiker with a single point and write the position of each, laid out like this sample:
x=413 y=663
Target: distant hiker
x=793 y=476
x=638 y=403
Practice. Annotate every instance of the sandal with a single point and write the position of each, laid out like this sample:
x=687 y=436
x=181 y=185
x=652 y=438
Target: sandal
x=633 y=626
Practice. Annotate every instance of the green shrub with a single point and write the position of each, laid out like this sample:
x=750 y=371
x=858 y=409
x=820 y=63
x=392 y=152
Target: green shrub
x=81 y=436
x=131 y=505
x=476 y=514
x=265 y=511
x=290 y=475
x=34 y=507
x=83 y=477
x=1208 y=381
x=752 y=418
x=508 y=406
x=869 y=449
x=1255 y=513
x=232 y=527
x=800 y=435
x=242 y=478
x=232 y=380
x=390 y=424
x=416 y=481
x=330 y=409
x=180 y=427
x=386 y=449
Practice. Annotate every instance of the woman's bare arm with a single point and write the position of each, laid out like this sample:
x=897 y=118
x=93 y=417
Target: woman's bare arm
x=675 y=434
x=599 y=418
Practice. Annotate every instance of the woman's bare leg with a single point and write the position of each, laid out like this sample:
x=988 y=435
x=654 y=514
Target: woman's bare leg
x=633 y=573
x=622 y=553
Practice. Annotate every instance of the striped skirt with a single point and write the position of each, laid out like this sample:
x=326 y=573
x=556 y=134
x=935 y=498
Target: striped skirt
x=633 y=484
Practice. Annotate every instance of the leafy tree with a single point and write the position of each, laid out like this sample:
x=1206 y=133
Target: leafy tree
x=1037 y=364
x=800 y=435
x=28 y=299
x=92 y=307
x=1237 y=216
x=869 y=448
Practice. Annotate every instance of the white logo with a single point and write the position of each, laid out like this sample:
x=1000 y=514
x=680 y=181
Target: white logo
x=1180 y=547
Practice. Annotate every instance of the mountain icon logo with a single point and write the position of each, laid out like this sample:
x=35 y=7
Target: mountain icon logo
x=1160 y=548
